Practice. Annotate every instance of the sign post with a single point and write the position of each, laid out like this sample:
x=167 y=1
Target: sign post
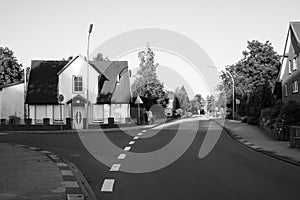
x=138 y=101
x=60 y=99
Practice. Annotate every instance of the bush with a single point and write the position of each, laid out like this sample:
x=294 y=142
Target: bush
x=252 y=120
x=244 y=119
x=290 y=113
x=276 y=109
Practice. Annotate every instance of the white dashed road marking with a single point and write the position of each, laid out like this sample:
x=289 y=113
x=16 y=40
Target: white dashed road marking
x=4 y=133
x=108 y=185
x=127 y=148
x=136 y=137
x=144 y=131
x=121 y=156
x=140 y=134
x=115 y=167
x=131 y=142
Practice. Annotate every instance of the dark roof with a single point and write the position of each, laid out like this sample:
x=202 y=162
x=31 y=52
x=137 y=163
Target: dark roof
x=295 y=26
x=43 y=82
x=111 y=92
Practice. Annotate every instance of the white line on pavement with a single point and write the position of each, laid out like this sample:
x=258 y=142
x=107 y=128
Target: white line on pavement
x=131 y=142
x=140 y=134
x=115 y=167
x=136 y=137
x=144 y=131
x=108 y=185
x=127 y=148
x=121 y=156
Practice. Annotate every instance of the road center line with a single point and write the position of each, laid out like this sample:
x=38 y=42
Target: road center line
x=144 y=131
x=121 y=156
x=136 y=137
x=131 y=142
x=115 y=167
x=127 y=148
x=140 y=134
x=108 y=185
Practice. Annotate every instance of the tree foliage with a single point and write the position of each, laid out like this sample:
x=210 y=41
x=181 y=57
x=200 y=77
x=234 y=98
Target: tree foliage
x=183 y=98
x=146 y=83
x=254 y=76
x=100 y=57
x=10 y=70
x=210 y=103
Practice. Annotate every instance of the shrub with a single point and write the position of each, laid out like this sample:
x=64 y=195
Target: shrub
x=290 y=113
x=244 y=119
x=265 y=114
x=276 y=109
x=252 y=120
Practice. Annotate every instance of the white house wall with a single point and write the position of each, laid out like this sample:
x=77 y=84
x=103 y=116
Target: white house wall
x=79 y=68
x=12 y=101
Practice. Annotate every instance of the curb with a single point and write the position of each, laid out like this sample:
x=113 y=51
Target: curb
x=254 y=147
x=74 y=189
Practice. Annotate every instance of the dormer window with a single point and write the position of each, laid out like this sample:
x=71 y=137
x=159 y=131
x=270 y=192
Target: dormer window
x=77 y=84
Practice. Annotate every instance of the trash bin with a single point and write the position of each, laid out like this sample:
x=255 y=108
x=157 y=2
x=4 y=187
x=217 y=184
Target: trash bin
x=111 y=121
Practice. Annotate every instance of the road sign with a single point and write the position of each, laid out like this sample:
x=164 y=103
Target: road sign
x=138 y=100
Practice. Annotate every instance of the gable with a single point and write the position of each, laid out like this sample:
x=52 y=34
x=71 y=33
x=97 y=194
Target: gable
x=111 y=91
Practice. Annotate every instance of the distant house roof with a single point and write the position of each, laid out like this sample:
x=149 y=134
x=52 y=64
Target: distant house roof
x=43 y=82
x=293 y=29
x=110 y=91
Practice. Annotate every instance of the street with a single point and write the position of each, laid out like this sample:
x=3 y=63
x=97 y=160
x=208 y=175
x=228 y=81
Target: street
x=229 y=171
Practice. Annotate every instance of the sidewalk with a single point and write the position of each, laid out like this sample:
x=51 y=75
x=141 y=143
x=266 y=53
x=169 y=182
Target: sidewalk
x=27 y=174
x=258 y=139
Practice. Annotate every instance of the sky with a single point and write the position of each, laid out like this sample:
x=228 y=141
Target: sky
x=56 y=29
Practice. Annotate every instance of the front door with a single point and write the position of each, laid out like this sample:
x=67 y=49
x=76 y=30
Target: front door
x=78 y=114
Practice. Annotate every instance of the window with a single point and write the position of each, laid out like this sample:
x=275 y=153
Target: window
x=295 y=86
x=286 y=89
x=77 y=84
x=295 y=64
x=290 y=66
x=98 y=113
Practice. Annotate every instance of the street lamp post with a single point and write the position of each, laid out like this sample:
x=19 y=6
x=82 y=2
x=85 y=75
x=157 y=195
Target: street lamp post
x=233 y=99
x=87 y=76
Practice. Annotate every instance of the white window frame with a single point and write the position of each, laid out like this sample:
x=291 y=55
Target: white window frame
x=295 y=86
x=295 y=64
x=290 y=66
x=73 y=84
x=286 y=89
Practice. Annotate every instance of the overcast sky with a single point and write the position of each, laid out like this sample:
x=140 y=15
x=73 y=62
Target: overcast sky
x=56 y=29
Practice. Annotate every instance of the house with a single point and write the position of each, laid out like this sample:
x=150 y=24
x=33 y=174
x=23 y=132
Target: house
x=289 y=74
x=84 y=92
x=12 y=101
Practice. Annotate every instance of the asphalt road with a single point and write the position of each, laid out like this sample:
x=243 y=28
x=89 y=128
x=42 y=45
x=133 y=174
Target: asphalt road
x=229 y=171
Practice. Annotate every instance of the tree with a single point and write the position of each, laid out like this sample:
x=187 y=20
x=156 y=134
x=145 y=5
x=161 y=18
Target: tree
x=254 y=75
x=210 y=100
x=146 y=83
x=183 y=98
x=100 y=57
x=10 y=70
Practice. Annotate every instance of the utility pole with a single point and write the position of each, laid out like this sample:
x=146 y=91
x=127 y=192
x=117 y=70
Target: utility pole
x=233 y=99
x=87 y=76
